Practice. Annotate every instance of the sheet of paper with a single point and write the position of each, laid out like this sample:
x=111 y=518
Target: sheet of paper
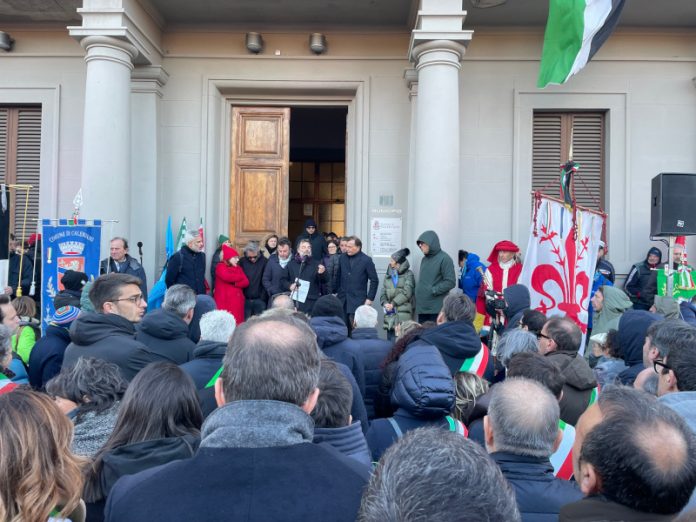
x=301 y=291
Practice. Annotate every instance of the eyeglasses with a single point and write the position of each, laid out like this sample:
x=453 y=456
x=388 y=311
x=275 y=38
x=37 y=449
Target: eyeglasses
x=662 y=366
x=540 y=335
x=252 y=258
x=135 y=299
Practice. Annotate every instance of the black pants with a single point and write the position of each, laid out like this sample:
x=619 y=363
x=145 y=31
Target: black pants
x=253 y=307
x=422 y=318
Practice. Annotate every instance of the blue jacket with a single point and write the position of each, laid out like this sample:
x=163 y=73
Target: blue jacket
x=188 y=268
x=472 y=277
x=46 y=358
x=632 y=328
x=352 y=278
x=332 y=337
x=423 y=392
x=539 y=494
x=373 y=351
x=273 y=274
x=598 y=281
x=207 y=360
x=349 y=440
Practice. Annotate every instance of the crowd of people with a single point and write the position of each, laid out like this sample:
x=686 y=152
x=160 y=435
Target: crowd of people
x=273 y=390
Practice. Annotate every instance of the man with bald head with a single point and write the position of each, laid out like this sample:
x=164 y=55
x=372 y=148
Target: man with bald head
x=521 y=440
x=634 y=459
x=256 y=460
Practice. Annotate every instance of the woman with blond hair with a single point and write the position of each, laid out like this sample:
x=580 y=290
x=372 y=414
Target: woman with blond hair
x=41 y=479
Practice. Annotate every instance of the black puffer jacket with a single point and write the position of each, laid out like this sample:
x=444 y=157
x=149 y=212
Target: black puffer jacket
x=641 y=282
x=166 y=336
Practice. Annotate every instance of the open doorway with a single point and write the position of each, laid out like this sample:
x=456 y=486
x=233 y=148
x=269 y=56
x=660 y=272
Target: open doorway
x=317 y=177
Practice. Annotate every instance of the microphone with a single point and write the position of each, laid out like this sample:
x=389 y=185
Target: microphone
x=140 y=251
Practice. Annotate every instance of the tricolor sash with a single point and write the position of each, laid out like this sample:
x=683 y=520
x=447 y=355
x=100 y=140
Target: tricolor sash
x=211 y=382
x=562 y=459
x=594 y=395
x=478 y=363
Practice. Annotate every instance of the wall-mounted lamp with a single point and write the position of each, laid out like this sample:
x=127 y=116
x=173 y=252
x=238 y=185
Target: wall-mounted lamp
x=317 y=43
x=254 y=42
x=6 y=42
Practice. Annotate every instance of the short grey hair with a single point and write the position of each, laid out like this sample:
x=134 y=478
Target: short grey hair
x=457 y=306
x=252 y=246
x=282 y=301
x=365 y=317
x=514 y=342
x=217 y=326
x=273 y=357
x=432 y=474
x=5 y=342
x=530 y=430
x=179 y=299
x=190 y=235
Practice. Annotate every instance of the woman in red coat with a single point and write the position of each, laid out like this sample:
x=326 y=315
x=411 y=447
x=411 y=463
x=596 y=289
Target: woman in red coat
x=229 y=281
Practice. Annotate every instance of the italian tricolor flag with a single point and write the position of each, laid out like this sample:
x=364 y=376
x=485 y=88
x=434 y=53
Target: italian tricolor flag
x=562 y=459
x=575 y=30
x=478 y=363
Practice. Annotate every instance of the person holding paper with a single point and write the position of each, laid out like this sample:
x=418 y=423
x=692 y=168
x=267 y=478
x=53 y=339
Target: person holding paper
x=304 y=277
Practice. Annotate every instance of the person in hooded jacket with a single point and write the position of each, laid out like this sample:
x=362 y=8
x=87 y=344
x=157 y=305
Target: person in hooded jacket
x=633 y=328
x=316 y=240
x=504 y=270
x=230 y=282
x=609 y=304
x=303 y=267
x=204 y=304
x=72 y=282
x=472 y=273
x=518 y=302
x=269 y=245
x=165 y=331
x=159 y=422
x=424 y=394
x=216 y=329
x=397 y=292
x=46 y=358
x=641 y=281
x=435 y=278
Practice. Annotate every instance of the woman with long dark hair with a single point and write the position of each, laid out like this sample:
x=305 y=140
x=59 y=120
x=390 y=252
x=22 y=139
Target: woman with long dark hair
x=41 y=477
x=159 y=421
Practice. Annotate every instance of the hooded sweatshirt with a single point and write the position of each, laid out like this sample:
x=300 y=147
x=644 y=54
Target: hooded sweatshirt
x=616 y=302
x=633 y=326
x=473 y=276
x=316 y=239
x=436 y=276
x=580 y=381
x=641 y=282
x=518 y=301
x=166 y=336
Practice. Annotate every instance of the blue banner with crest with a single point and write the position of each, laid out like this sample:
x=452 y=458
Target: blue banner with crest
x=66 y=245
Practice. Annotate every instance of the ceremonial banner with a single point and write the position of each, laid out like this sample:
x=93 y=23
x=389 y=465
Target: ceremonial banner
x=684 y=278
x=66 y=247
x=560 y=260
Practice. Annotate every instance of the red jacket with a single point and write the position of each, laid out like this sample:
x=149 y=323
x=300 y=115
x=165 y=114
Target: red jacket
x=496 y=274
x=229 y=282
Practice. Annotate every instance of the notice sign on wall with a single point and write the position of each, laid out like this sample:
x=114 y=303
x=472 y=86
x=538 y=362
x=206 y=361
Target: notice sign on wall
x=385 y=235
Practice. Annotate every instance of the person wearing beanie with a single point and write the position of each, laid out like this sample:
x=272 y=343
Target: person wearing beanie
x=641 y=282
x=46 y=359
x=216 y=258
x=231 y=281
x=316 y=239
x=73 y=282
x=397 y=292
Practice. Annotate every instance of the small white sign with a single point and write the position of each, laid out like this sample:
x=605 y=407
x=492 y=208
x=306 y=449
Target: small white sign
x=385 y=235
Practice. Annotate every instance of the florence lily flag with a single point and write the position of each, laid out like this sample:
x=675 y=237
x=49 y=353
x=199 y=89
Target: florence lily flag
x=575 y=30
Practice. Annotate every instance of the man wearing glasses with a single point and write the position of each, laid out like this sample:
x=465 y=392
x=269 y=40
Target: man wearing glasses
x=109 y=332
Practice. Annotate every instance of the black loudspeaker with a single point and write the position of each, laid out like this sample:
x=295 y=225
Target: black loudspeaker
x=673 y=205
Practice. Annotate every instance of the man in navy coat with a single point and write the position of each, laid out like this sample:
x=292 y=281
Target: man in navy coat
x=356 y=279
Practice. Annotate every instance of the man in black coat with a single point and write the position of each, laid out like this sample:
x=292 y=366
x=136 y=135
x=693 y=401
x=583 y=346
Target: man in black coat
x=165 y=331
x=356 y=278
x=641 y=281
x=521 y=440
x=373 y=351
x=254 y=462
x=316 y=239
x=121 y=262
x=109 y=333
x=13 y=277
x=187 y=266
x=304 y=274
x=276 y=268
x=253 y=264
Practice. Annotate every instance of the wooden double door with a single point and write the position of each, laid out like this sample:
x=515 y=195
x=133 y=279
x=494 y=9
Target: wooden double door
x=259 y=177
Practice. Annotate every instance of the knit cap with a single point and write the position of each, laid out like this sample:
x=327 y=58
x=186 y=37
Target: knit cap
x=228 y=252
x=65 y=315
x=328 y=306
x=74 y=280
x=400 y=255
x=222 y=238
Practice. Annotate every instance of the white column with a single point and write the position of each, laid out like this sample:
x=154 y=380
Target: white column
x=411 y=228
x=106 y=186
x=146 y=92
x=436 y=202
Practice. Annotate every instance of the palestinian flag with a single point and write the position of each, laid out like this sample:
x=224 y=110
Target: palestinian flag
x=562 y=459
x=478 y=363
x=575 y=30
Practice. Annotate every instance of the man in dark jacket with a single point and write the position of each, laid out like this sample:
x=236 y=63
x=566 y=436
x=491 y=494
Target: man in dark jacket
x=121 y=262
x=217 y=328
x=46 y=358
x=641 y=281
x=253 y=264
x=254 y=462
x=187 y=266
x=303 y=278
x=109 y=333
x=456 y=338
x=276 y=269
x=165 y=331
x=316 y=239
x=521 y=440
x=435 y=279
x=560 y=340
x=517 y=302
x=356 y=278
x=373 y=351
x=13 y=277
x=633 y=329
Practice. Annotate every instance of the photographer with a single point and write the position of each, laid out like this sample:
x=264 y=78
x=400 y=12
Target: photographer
x=303 y=269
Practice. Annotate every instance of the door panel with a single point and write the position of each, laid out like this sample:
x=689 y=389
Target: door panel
x=259 y=173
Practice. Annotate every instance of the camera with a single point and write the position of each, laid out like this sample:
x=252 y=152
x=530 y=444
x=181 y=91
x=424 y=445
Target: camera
x=495 y=302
